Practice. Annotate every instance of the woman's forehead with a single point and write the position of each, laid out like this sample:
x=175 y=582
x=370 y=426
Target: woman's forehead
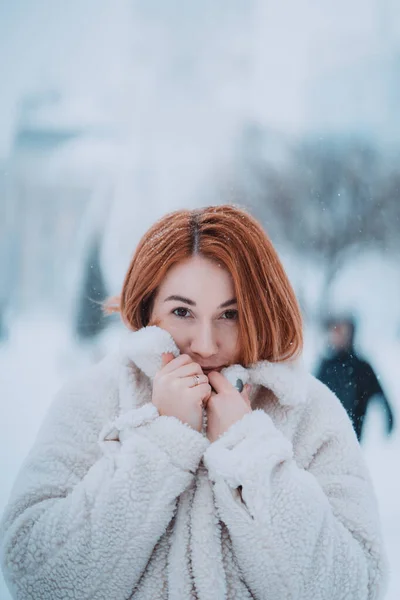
x=196 y=277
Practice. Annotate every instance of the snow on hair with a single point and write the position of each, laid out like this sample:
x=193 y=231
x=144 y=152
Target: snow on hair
x=270 y=324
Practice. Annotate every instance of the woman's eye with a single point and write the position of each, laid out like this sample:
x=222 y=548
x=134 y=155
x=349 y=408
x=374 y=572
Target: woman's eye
x=181 y=312
x=230 y=315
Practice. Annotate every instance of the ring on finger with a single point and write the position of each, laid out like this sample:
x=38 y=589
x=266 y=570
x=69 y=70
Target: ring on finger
x=196 y=379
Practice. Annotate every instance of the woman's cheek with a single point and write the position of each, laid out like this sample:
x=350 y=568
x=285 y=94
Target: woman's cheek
x=177 y=328
x=234 y=346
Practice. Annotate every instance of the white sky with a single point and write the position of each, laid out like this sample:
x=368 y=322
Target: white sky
x=87 y=47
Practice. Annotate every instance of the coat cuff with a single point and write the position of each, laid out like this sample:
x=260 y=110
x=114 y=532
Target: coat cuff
x=249 y=449
x=184 y=445
x=127 y=421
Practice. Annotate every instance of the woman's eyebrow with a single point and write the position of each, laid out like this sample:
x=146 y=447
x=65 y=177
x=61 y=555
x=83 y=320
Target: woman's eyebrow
x=228 y=303
x=180 y=299
x=176 y=298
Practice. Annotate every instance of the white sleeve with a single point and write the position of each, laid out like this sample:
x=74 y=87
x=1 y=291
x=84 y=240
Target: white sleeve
x=298 y=533
x=86 y=512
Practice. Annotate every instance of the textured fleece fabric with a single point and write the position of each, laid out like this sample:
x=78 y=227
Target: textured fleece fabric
x=117 y=502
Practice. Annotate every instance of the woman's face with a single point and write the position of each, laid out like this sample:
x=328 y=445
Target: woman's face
x=196 y=304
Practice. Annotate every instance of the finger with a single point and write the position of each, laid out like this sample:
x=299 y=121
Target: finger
x=220 y=383
x=206 y=400
x=211 y=396
x=189 y=369
x=192 y=381
x=246 y=393
x=175 y=363
x=246 y=389
x=201 y=391
x=166 y=358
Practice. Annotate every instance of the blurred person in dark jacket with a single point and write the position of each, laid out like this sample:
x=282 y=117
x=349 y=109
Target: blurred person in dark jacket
x=351 y=378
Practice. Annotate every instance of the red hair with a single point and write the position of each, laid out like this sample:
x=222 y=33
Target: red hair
x=270 y=324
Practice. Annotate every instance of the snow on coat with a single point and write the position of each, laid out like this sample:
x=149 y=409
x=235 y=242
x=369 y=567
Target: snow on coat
x=117 y=502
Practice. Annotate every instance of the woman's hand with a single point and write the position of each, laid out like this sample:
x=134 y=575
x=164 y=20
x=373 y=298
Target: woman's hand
x=226 y=406
x=175 y=393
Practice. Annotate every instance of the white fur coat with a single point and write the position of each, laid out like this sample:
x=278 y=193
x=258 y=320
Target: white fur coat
x=116 y=502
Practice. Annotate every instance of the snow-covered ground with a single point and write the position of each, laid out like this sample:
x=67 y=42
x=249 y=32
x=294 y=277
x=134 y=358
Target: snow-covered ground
x=41 y=355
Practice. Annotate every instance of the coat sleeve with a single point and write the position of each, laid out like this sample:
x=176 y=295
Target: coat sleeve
x=87 y=511
x=299 y=532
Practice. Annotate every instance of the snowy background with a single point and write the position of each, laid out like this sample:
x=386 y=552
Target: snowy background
x=113 y=112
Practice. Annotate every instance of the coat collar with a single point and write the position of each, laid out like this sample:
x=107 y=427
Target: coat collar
x=288 y=380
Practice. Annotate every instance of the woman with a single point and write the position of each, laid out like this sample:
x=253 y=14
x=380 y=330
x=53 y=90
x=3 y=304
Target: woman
x=158 y=475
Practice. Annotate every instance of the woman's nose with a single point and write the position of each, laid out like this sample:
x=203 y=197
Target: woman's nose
x=203 y=342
